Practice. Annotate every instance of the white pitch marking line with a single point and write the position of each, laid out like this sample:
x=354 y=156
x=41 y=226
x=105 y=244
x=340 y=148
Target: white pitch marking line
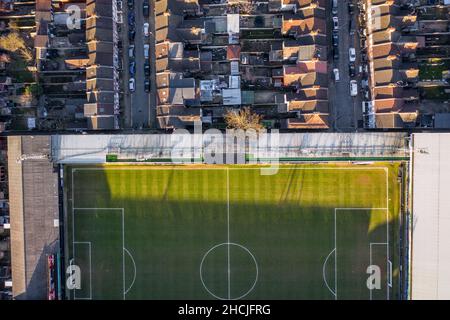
x=335 y=235
x=123 y=238
x=335 y=257
x=390 y=273
x=147 y=167
x=123 y=252
x=73 y=227
x=135 y=270
x=228 y=233
x=370 y=257
x=323 y=273
x=370 y=263
x=387 y=225
x=233 y=244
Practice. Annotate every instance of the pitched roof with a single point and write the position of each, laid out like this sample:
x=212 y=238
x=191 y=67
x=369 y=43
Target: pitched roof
x=305 y=3
x=395 y=120
x=390 y=62
x=233 y=52
x=313 y=66
x=101 y=122
x=97 y=84
x=385 y=92
x=384 y=77
x=294 y=77
x=100 y=109
x=98 y=71
x=388 y=35
x=99 y=9
x=308 y=94
x=388 y=105
x=101 y=58
x=291 y=23
x=385 y=50
x=307 y=121
x=308 y=106
x=43 y=5
x=313 y=52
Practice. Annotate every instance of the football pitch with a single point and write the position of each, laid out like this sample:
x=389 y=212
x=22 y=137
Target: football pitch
x=310 y=231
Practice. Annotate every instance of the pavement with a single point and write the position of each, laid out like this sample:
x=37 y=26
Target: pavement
x=139 y=106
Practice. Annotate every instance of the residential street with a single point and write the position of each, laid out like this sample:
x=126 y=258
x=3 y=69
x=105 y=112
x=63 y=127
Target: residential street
x=345 y=109
x=140 y=104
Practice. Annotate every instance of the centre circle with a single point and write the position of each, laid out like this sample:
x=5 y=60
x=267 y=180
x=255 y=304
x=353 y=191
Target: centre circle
x=228 y=271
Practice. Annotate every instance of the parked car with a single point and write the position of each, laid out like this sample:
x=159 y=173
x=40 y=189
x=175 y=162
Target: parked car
x=131 y=85
x=365 y=93
x=351 y=27
x=334 y=10
x=364 y=83
x=352 y=70
x=335 y=4
x=335 y=23
x=4 y=220
x=131 y=18
x=335 y=38
x=147 y=68
x=353 y=88
x=351 y=8
x=132 y=68
x=146 y=29
x=336 y=53
x=366 y=105
x=147 y=85
x=131 y=51
x=145 y=8
x=131 y=34
x=352 y=54
x=336 y=74
x=146 y=50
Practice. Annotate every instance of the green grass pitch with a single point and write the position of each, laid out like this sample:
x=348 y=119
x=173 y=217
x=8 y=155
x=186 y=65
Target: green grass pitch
x=228 y=232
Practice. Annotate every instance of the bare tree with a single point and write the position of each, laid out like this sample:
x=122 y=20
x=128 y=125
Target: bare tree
x=14 y=43
x=246 y=7
x=243 y=119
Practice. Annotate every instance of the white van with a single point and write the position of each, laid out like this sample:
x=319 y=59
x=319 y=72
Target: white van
x=131 y=51
x=131 y=85
x=353 y=88
x=336 y=74
x=146 y=50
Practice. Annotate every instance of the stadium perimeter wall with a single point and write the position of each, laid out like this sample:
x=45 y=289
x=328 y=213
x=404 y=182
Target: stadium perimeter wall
x=284 y=146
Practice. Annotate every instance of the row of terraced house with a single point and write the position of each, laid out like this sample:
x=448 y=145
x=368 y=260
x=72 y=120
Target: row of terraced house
x=409 y=49
x=213 y=56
